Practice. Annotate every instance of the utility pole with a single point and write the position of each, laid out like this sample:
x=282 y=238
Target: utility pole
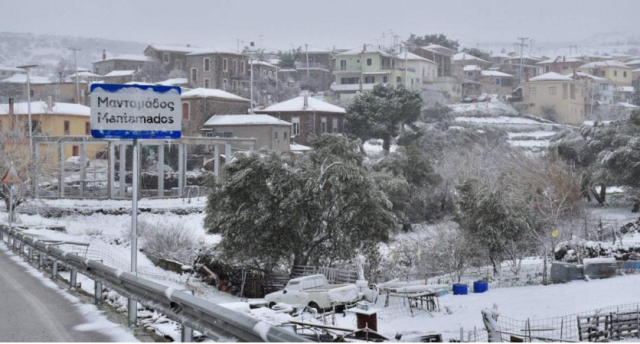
x=522 y=45
x=306 y=51
x=28 y=68
x=251 y=73
x=75 y=61
x=406 y=53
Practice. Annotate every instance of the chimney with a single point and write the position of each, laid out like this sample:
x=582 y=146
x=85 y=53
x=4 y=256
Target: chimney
x=104 y=54
x=306 y=101
x=49 y=103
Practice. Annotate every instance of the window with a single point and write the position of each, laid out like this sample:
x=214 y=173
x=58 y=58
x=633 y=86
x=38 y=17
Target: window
x=275 y=135
x=385 y=79
x=35 y=127
x=398 y=80
x=572 y=91
x=349 y=81
x=210 y=134
x=369 y=79
x=369 y=62
x=296 y=125
x=234 y=85
x=343 y=64
x=244 y=67
x=194 y=74
x=615 y=73
x=75 y=151
x=207 y=64
x=228 y=134
x=469 y=74
x=564 y=91
x=284 y=135
x=165 y=57
x=552 y=90
x=67 y=127
x=178 y=64
x=87 y=128
x=603 y=73
x=235 y=67
x=225 y=66
x=186 y=107
x=323 y=125
x=225 y=82
x=532 y=91
x=207 y=83
x=624 y=74
x=335 y=125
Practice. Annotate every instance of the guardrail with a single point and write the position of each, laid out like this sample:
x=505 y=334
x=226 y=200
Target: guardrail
x=213 y=321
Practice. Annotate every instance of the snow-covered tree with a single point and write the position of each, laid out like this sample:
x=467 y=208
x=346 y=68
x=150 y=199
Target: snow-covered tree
x=382 y=112
x=272 y=210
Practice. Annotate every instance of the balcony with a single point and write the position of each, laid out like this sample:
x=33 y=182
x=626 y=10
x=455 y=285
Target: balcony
x=348 y=69
x=400 y=68
x=311 y=65
x=351 y=87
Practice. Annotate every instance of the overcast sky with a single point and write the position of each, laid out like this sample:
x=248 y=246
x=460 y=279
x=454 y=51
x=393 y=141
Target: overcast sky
x=279 y=24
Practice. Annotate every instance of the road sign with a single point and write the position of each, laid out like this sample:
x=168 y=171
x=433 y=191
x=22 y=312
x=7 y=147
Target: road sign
x=135 y=112
x=11 y=176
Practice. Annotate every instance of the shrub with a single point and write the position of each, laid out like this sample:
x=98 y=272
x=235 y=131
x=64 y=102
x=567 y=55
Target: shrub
x=171 y=241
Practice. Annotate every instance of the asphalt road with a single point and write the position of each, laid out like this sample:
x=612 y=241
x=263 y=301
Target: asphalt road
x=33 y=312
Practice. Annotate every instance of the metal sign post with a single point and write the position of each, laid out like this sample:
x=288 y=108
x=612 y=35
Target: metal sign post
x=11 y=177
x=133 y=112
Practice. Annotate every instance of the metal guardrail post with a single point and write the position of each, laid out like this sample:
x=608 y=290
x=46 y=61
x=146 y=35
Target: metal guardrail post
x=97 y=293
x=20 y=247
x=186 y=335
x=133 y=313
x=40 y=260
x=73 y=279
x=54 y=269
x=30 y=254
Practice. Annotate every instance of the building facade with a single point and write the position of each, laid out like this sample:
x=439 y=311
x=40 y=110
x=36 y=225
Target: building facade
x=553 y=94
x=199 y=104
x=270 y=133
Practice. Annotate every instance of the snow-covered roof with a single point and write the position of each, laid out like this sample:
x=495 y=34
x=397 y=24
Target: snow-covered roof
x=120 y=73
x=367 y=50
x=139 y=83
x=86 y=75
x=465 y=57
x=262 y=63
x=211 y=51
x=604 y=64
x=41 y=108
x=139 y=58
x=245 y=120
x=295 y=147
x=175 y=81
x=551 y=76
x=560 y=59
x=627 y=105
x=589 y=76
x=525 y=56
x=633 y=62
x=432 y=47
x=501 y=55
x=413 y=57
x=629 y=89
x=173 y=48
x=211 y=93
x=297 y=105
x=471 y=68
x=22 y=79
x=12 y=69
x=496 y=73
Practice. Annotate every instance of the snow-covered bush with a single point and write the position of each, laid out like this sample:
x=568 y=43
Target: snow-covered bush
x=171 y=241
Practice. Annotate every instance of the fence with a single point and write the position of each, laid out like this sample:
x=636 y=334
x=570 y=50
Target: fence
x=609 y=323
x=214 y=321
x=532 y=274
x=334 y=275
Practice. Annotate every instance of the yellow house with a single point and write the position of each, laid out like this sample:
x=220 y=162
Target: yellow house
x=555 y=93
x=619 y=73
x=51 y=119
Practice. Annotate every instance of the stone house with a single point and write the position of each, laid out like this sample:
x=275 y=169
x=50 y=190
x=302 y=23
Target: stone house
x=199 y=104
x=172 y=57
x=122 y=62
x=227 y=71
x=271 y=133
x=308 y=116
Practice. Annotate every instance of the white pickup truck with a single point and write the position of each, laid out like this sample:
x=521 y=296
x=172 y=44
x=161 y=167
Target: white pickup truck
x=314 y=291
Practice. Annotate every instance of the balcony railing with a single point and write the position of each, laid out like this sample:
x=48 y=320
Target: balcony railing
x=348 y=69
x=311 y=65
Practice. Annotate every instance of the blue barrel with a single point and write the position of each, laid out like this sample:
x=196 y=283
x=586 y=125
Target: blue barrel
x=459 y=289
x=480 y=286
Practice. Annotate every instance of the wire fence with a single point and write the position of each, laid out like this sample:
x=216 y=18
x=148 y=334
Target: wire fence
x=532 y=274
x=602 y=324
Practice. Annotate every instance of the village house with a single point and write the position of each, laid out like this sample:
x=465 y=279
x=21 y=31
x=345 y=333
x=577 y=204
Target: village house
x=122 y=62
x=308 y=116
x=271 y=133
x=555 y=95
x=496 y=82
x=559 y=64
x=530 y=67
x=425 y=69
x=460 y=60
x=49 y=118
x=199 y=104
x=42 y=87
x=6 y=71
x=224 y=70
x=361 y=69
x=633 y=63
x=614 y=70
x=172 y=57
x=441 y=55
x=316 y=72
x=125 y=76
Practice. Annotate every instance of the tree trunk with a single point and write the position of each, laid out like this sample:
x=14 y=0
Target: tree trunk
x=601 y=196
x=386 y=143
